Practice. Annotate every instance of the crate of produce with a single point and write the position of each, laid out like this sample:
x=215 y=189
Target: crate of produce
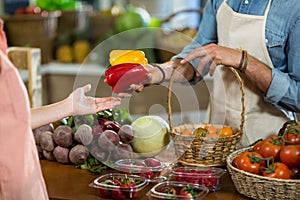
x=197 y=145
x=39 y=30
x=257 y=186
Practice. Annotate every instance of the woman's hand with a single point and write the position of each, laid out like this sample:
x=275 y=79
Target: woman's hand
x=77 y=103
x=215 y=54
x=82 y=104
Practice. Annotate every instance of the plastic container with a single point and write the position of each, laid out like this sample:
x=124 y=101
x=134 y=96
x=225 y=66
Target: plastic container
x=112 y=186
x=207 y=176
x=176 y=190
x=139 y=167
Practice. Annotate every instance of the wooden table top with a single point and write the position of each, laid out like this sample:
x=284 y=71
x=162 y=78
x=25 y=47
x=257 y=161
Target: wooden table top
x=67 y=182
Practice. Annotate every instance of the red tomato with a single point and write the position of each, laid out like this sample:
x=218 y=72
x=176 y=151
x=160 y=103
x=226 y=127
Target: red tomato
x=257 y=146
x=290 y=155
x=292 y=138
x=280 y=170
x=248 y=162
x=186 y=192
x=290 y=132
x=295 y=173
x=271 y=147
x=185 y=195
x=168 y=190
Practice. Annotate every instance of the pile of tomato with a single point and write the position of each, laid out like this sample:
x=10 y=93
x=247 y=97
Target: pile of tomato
x=209 y=131
x=277 y=156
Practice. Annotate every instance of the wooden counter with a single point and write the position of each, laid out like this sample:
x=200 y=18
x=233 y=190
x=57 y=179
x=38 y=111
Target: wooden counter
x=67 y=182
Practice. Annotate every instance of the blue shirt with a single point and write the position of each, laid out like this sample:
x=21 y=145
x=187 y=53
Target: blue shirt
x=282 y=41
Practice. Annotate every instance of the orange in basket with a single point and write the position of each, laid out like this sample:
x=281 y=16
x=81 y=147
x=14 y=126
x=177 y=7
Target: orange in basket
x=225 y=132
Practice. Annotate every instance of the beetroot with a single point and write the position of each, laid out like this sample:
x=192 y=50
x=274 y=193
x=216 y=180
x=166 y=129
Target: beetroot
x=99 y=153
x=46 y=141
x=78 y=154
x=48 y=155
x=61 y=154
x=152 y=162
x=38 y=131
x=125 y=133
x=108 y=140
x=97 y=130
x=122 y=151
x=63 y=136
x=40 y=151
x=84 y=134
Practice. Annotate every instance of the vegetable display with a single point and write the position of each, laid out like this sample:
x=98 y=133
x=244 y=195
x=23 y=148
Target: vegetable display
x=76 y=140
x=277 y=156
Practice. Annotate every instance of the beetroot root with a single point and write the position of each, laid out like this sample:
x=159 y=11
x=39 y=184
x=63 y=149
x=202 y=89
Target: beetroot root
x=48 y=155
x=61 y=154
x=46 y=141
x=78 y=154
x=38 y=131
x=84 y=134
x=63 y=136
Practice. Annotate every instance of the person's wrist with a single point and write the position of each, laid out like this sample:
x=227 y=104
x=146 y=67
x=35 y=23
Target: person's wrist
x=67 y=104
x=162 y=74
x=243 y=62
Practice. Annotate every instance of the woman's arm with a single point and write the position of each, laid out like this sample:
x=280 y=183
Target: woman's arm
x=77 y=103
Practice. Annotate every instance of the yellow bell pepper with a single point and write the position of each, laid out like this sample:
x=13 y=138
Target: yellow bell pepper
x=127 y=56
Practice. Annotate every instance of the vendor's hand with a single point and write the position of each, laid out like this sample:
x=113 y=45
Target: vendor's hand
x=82 y=104
x=217 y=55
x=154 y=76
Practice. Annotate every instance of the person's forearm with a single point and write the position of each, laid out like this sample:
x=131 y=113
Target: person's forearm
x=50 y=113
x=259 y=74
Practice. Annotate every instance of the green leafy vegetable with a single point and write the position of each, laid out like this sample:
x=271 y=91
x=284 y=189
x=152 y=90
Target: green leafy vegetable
x=93 y=165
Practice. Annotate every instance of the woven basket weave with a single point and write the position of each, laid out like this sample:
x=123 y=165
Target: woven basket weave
x=204 y=151
x=260 y=187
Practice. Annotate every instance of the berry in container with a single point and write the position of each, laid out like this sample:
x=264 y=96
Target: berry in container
x=177 y=190
x=149 y=168
x=119 y=186
x=207 y=176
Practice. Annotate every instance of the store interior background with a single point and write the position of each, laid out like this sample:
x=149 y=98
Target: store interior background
x=59 y=79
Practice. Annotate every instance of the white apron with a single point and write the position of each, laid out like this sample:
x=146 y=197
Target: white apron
x=242 y=31
x=20 y=172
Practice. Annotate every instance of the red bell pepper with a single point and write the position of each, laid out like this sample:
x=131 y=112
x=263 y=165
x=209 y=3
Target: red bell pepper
x=121 y=76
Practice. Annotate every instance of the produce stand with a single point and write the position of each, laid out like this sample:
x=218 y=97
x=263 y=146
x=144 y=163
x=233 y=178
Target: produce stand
x=68 y=182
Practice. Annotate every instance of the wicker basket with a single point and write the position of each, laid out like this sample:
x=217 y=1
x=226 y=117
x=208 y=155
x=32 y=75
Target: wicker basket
x=37 y=31
x=260 y=187
x=204 y=151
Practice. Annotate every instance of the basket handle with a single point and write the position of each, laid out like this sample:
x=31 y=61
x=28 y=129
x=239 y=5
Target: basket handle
x=235 y=73
x=199 y=11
